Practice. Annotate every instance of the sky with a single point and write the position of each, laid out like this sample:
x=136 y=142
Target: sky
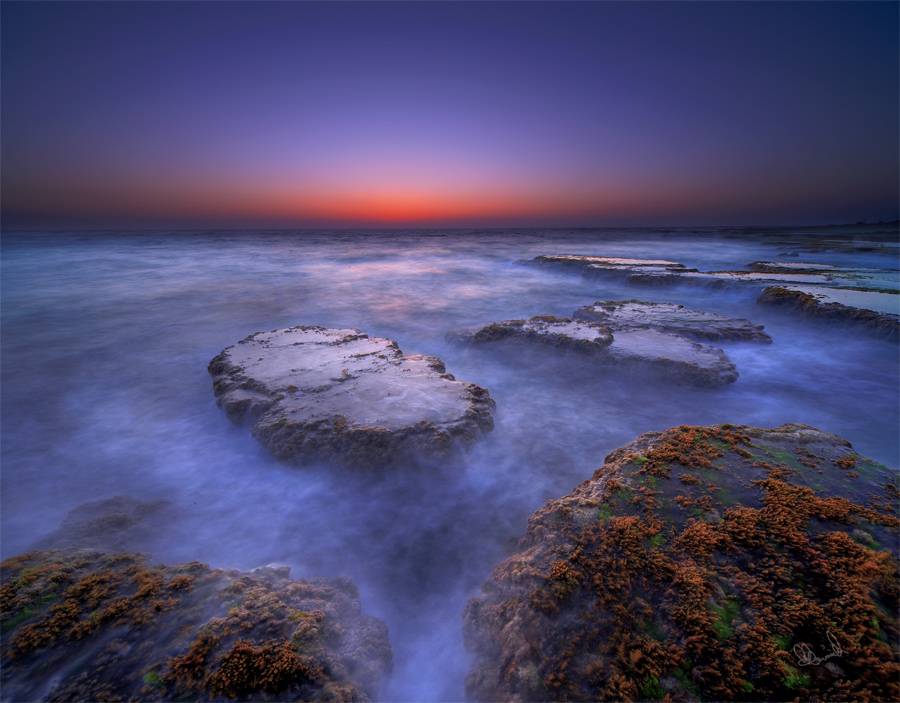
x=448 y=114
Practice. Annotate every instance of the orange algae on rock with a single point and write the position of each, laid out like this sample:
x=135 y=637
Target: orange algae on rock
x=701 y=563
x=176 y=632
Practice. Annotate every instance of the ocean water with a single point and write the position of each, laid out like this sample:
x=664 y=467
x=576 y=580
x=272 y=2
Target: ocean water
x=106 y=337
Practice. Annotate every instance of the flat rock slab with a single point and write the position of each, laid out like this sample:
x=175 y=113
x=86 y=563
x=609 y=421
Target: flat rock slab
x=83 y=625
x=701 y=563
x=668 y=317
x=634 y=270
x=342 y=396
x=682 y=360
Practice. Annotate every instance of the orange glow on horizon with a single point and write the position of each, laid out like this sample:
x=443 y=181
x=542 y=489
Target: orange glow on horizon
x=382 y=205
x=153 y=197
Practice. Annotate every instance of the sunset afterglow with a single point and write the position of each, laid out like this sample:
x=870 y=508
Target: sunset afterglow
x=466 y=114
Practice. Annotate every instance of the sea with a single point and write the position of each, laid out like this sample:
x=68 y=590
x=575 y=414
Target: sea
x=105 y=342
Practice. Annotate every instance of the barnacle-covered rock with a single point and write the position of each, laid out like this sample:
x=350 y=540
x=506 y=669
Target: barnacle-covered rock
x=89 y=625
x=339 y=395
x=702 y=563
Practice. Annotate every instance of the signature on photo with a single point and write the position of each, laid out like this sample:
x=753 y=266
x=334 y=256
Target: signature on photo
x=806 y=656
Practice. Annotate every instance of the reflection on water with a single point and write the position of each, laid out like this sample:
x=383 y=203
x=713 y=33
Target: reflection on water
x=106 y=338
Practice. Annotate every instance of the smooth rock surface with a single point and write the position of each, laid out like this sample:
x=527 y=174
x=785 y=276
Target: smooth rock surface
x=701 y=563
x=677 y=358
x=91 y=626
x=668 y=317
x=339 y=395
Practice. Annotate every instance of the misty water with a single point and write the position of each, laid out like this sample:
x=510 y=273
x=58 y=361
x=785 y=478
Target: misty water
x=106 y=338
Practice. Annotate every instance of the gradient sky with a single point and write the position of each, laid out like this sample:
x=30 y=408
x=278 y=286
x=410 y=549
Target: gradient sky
x=346 y=114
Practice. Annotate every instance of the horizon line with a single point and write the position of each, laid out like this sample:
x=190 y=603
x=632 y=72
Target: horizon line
x=29 y=228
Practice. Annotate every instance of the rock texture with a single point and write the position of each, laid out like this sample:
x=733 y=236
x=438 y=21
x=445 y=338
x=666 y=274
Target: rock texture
x=542 y=330
x=339 y=395
x=668 y=317
x=881 y=324
x=702 y=563
x=88 y=625
x=676 y=358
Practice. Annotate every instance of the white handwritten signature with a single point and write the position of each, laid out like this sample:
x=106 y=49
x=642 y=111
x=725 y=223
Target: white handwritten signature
x=805 y=655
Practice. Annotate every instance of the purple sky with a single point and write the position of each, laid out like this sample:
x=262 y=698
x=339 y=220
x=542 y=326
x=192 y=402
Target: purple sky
x=298 y=114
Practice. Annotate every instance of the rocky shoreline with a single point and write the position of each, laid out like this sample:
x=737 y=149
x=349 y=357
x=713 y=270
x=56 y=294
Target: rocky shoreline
x=721 y=562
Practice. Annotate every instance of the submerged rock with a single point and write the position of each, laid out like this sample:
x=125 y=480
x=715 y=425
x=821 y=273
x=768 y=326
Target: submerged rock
x=86 y=625
x=702 y=563
x=669 y=317
x=111 y=524
x=676 y=358
x=339 y=395
x=815 y=303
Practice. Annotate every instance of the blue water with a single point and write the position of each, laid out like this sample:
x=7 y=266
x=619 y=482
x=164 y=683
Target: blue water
x=106 y=338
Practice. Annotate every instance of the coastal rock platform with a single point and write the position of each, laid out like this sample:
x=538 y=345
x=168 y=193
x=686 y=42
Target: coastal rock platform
x=701 y=563
x=339 y=395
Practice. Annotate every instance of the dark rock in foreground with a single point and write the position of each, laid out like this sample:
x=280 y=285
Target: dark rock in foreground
x=702 y=563
x=340 y=395
x=669 y=317
x=883 y=325
x=86 y=625
x=676 y=358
